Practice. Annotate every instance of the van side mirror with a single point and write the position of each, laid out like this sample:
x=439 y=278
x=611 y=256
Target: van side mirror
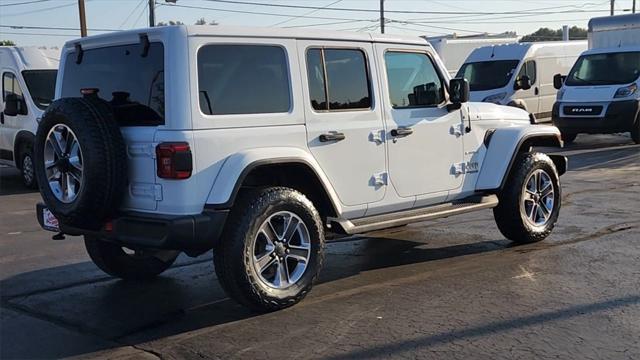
x=558 y=81
x=14 y=105
x=459 y=91
x=522 y=83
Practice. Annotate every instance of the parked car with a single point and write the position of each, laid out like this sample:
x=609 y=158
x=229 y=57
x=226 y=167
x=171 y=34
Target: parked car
x=600 y=93
x=520 y=75
x=28 y=84
x=260 y=143
x=453 y=51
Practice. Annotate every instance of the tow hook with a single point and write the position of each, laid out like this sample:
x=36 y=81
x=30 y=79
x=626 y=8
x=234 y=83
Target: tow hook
x=58 y=236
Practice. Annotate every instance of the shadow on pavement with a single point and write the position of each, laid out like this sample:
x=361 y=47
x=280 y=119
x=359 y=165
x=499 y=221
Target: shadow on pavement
x=187 y=298
x=11 y=182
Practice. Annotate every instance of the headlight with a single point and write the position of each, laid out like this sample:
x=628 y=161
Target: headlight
x=496 y=98
x=560 y=94
x=626 y=91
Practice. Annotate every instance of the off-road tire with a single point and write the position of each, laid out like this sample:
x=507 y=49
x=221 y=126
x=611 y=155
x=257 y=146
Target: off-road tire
x=568 y=138
x=104 y=173
x=144 y=264
x=233 y=256
x=508 y=215
x=635 y=131
x=28 y=174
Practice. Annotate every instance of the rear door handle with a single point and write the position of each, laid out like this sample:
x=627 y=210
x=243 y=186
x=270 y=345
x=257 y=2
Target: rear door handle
x=332 y=136
x=536 y=91
x=401 y=132
x=2 y=117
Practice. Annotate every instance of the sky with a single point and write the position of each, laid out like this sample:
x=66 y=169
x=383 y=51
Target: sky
x=404 y=17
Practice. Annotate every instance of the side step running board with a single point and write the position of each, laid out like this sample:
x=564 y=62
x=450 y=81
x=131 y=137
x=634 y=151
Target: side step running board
x=377 y=222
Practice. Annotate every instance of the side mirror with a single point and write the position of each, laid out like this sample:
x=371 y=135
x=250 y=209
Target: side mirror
x=11 y=105
x=459 y=91
x=522 y=83
x=558 y=81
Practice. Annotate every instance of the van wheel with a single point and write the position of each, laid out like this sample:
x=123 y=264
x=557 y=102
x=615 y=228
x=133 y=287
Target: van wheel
x=568 y=138
x=272 y=249
x=27 y=167
x=635 y=131
x=529 y=205
x=128 y=264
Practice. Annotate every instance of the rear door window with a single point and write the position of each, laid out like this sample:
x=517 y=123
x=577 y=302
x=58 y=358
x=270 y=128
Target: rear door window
x=341 y=75
x=243 y=79
x=130 y=80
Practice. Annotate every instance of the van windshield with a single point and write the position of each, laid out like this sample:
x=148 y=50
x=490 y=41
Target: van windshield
x=41 y=85
x=605 y=69
x=488 y=75
x=131 y=81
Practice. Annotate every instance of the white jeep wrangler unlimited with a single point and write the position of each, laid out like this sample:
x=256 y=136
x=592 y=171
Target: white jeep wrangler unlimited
x=259 y=143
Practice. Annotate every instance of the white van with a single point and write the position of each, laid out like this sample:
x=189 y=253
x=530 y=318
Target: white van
x=600 y=94
x=453 y=51
x=28 y=86
x=520 y=75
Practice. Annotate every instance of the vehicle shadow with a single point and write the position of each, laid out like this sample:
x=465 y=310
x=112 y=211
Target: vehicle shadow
x=186 y=298
x=11 y=182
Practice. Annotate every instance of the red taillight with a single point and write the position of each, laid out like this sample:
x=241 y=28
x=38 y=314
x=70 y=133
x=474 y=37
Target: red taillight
x=174 y=160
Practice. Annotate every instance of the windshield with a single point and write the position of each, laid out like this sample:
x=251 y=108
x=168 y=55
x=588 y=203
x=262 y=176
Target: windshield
x=488 y=75
x=605 y=69
x=41 y=85
x=129 y=79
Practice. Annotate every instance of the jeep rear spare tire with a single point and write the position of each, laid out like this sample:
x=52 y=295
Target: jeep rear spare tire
x=80 y=162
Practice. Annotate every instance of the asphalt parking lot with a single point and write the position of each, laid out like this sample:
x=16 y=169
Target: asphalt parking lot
x=451 y=288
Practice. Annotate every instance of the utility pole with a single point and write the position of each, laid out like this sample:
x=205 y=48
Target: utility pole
x=382 y=16
x=633 y=8
x=152 y=13
x=613 y=4
x=83 y=18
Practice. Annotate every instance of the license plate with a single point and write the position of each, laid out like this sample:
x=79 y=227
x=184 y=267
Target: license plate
x=49 y=221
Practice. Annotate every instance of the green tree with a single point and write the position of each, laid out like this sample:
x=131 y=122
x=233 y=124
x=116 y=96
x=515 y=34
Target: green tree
x=202 y=21
x=170 y=23
x=546 y=34
x=7 y=43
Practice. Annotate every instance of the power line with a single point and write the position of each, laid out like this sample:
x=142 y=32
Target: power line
x=256 y=12
x=38 y=34
x=521 y=12
x=43 y=9
x=24 y=3
x=307 y=13
x=27 y=27
x=131 y=13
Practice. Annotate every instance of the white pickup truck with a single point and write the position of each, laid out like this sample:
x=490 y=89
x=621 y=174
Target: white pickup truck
x=261 y=143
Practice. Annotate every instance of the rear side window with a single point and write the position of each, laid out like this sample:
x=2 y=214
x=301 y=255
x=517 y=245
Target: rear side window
x=339 y=76
x=243 y=79
x=413 y=80
x=131 y=81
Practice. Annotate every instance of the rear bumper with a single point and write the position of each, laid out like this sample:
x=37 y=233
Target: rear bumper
x=620 y=117
x=192 y=234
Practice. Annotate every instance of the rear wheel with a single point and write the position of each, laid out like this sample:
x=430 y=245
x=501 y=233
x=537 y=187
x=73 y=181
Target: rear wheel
x=568 y=138
x=130 y=264
x=27 y=169
x=635 y=131
x=271 y=250
x=530 y=202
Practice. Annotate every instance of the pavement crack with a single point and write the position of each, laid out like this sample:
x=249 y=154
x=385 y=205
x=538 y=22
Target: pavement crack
x=151 y=352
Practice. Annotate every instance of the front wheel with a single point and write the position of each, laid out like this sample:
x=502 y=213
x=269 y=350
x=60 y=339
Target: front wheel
x=529 y=204
x=27 y=169
x=129 y=264
x=271 y=250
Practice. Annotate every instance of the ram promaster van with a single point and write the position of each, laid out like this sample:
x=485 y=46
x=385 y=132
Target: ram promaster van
x=520 y=75
x=453 y=51
x=600 y=94
x=259 y=144
x=28 y=85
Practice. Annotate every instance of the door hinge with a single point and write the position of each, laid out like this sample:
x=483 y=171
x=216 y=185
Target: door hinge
x=457 y=129
x=458 y=169
x=379 y=179
x=377 y=136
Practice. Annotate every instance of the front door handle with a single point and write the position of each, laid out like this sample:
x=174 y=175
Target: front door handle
x=401 y=132
x=2 y=117
x=332 y=136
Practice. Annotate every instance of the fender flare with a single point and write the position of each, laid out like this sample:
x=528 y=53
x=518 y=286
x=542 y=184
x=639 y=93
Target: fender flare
x=21 y=137
x=236 y=167
x=503 y=147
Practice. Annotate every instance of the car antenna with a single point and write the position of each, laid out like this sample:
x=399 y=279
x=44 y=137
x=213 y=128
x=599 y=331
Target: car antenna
x=79 y=53
x=144 y=40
